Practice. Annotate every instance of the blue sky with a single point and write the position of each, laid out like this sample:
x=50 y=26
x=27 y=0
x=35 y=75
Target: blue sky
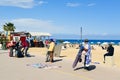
x=99 y=19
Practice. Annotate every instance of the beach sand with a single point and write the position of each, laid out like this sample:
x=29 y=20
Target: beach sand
x=71 y=52
x=13 y=68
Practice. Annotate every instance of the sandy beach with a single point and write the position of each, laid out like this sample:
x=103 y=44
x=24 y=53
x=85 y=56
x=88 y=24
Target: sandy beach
x=13 y=68
x=97 y=54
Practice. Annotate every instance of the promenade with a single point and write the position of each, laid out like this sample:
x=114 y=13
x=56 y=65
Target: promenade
x=12 y=68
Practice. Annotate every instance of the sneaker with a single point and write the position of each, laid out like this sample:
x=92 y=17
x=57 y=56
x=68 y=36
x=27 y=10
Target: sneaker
x=87 y=65
x=103 y=61
x=46 y=61
x=52 y=61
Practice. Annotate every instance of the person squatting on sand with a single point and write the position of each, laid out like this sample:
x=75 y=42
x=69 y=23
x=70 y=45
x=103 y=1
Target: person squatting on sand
x=110 y=51
x=20 y=48
x=49 y=55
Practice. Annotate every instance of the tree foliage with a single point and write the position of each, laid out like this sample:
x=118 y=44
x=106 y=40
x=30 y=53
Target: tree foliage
x=9 y=27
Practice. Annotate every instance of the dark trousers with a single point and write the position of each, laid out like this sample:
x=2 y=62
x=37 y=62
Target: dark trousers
x=11 y=52
x=25 y=51
x=107 y=54
x=49 y=56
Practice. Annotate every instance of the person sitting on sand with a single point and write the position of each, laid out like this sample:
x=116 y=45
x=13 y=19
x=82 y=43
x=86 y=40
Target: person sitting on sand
x=110 y=51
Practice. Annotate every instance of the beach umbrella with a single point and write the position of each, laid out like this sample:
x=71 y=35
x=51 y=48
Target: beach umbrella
x=92 y=42
x=66 y=42
x=105 y=43
x=98 y=42
x=118 y=43
x=112 y=43
x=82 y=43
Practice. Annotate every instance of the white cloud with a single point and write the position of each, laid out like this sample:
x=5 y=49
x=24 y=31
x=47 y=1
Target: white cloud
x=42 y=2
x=91 y=4
x=20 y=3
x=72 y=4
x=29 y=24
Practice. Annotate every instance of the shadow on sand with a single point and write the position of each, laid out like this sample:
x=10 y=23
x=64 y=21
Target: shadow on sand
x=91 y=67
x=56 y=60
x=29 y=55
x=62 y=56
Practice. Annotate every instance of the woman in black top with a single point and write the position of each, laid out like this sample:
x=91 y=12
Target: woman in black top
x=110 y=51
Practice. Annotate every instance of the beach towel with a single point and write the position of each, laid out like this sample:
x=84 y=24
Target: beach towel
x=88 y=56
x=43 y=66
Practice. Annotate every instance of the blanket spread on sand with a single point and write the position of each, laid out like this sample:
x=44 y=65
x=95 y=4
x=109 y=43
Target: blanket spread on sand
x=43 y=66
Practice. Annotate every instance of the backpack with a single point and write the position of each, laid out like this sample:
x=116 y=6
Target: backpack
x=19 y=54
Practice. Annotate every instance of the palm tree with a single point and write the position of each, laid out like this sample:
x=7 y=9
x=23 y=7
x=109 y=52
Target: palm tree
x=9 y=27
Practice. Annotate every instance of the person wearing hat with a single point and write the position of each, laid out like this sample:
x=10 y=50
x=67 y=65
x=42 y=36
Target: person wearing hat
x=50 y=51
x=86 y=54
x=110 y=51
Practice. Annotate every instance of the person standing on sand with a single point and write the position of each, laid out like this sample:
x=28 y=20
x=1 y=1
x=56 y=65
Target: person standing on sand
x=50 y=51
x=47 y=54
x=25 y=46
x=11 y=46
x=86 y=53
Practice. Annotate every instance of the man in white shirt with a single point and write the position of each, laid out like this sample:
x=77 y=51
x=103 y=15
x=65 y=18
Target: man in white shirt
x=86 y=54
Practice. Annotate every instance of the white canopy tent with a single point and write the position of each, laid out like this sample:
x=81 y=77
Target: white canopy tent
x=66 y=42
x=40 y=34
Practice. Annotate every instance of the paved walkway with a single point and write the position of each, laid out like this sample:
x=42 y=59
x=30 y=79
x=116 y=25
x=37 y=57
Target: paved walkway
x=3 y=51
x=12 y=68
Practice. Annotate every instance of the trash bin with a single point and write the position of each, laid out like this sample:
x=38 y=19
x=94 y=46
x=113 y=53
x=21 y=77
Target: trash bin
x=57 y=50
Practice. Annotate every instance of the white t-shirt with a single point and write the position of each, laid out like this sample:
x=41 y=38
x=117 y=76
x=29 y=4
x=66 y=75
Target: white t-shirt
x=86 y=46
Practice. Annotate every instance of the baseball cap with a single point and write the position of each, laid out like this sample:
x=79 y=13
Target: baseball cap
x=86 y=40
x=51 y=40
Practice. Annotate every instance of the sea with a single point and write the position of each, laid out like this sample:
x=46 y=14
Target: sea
x=74 y=41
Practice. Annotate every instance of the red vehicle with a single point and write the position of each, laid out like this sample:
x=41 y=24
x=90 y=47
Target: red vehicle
x=16 y=36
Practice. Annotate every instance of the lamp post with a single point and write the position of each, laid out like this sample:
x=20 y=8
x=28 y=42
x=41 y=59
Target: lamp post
x=81 y=35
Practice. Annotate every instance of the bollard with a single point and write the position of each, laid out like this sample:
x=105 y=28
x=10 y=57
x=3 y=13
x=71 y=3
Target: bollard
x=110 y=60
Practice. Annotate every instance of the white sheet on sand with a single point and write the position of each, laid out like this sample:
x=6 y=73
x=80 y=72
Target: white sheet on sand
x=43 y=66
